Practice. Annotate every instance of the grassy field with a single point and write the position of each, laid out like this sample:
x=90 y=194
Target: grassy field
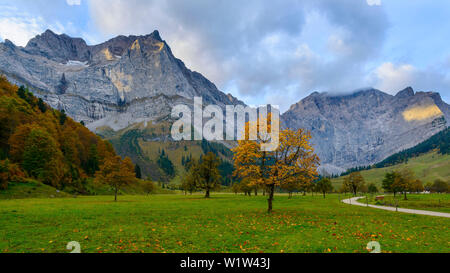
x=225 y=223
x=427 y=168
x=30 y=189
x=432 y=202
x=34 y=189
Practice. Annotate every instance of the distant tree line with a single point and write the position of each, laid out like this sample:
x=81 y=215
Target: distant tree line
x=165 y=164
x=356 y=169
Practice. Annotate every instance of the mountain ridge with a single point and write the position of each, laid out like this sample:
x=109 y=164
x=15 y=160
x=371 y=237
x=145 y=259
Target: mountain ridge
x=106 y=81
x=129 y=80
x=365 y=127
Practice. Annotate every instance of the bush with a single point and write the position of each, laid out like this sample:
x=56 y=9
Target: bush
x=440 y=186
x=9 y=173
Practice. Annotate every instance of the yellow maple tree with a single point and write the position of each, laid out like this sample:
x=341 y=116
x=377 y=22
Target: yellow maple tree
x=293 y=161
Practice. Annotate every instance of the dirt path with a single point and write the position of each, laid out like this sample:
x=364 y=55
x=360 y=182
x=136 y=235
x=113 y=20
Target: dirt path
x=354 y=201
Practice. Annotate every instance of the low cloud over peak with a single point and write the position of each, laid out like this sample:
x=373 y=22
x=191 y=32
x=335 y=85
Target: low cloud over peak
x=259 y=48
x=268 y=51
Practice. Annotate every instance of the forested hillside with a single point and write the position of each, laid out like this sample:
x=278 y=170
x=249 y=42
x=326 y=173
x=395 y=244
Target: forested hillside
x=427 y=168
x=439 y=142
x=43 y=144
x=161 y=159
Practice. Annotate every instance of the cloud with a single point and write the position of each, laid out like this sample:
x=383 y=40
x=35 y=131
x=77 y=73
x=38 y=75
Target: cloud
x=20 y=30
x=259 y=48
x=73 y=2
x=374 y=2
x=392 y=78
x=22 y=20
x=19 y=27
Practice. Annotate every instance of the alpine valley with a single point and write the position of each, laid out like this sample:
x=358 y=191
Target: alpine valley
x=124 y=90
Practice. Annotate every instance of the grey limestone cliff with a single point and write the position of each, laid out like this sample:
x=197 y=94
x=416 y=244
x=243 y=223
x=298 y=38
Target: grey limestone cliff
x=367 y=126
x=114 y=84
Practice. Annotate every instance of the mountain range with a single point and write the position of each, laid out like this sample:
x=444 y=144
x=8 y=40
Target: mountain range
x=130 y=80
x=114 y=84
x=367 y=126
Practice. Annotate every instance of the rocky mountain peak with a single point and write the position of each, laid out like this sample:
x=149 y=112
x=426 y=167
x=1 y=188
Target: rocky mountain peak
x=60 y=48
x=8 y=43
x=367 y=126
x=123 y=81
x=407 y=92
x=368 y=92
x=63 y=48
x=155 y=35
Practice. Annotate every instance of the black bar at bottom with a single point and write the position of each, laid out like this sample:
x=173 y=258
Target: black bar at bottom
x=221 y=262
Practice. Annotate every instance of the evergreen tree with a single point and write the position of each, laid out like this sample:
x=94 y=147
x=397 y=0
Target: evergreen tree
x=165 y=164
x=92 y=165
x=42 y=106
x=137 y=170
x=62 y=117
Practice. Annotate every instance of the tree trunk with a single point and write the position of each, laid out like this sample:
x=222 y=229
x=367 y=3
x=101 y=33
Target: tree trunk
x=207 y=193
x=270 y=200
x=256 y=192
x=290 y=195
x=115 y=194
x=406 y=198
x=323 y=194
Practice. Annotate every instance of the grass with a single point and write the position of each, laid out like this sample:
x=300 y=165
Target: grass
x=431 y=202
x=35 y=189
x=30 y=189
x=427 y=168
x=225 y=223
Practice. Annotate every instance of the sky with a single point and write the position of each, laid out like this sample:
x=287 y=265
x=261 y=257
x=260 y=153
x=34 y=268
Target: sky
x=262 y=51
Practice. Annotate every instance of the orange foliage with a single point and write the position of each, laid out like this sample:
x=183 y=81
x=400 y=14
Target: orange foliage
x=117 y=173
x=293 y=162
x=68 y=164
x=9 y=172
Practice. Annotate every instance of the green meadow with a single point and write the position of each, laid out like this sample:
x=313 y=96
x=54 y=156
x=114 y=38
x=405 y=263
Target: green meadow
x=431 y=202
x=427 y=168
x=225 y=223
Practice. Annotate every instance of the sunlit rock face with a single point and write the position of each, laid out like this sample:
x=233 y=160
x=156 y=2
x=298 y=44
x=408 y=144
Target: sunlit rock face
x=368 y=126
x=125 y=80
x=419 y=113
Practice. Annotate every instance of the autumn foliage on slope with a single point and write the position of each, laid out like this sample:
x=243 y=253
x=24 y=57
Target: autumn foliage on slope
x=44 y=144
